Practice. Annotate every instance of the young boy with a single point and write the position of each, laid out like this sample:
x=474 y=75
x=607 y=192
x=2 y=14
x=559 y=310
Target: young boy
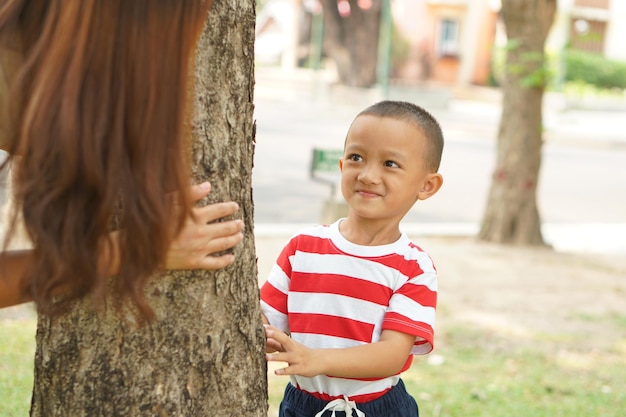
x=357 y=297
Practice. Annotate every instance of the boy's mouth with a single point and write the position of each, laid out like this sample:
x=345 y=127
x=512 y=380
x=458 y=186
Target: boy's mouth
x=367 y=193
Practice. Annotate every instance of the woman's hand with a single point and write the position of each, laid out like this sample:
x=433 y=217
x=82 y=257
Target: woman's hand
x=194 y=247
x=201 y=241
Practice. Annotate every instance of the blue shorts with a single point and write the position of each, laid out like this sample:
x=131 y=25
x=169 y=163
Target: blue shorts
x=395 y=403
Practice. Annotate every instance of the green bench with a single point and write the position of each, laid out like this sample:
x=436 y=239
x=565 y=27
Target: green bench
x=325 y=167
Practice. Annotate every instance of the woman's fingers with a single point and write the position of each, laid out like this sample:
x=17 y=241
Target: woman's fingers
x=226 y=239
x=215 y=211
x=201 y=242
x=211 y=262
x=210 y=212
x=202 y=246
x=199 y=191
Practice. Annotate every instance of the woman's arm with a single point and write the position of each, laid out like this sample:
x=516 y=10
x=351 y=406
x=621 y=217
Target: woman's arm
x=193 y=248
x=13 y=265
x=372 y=360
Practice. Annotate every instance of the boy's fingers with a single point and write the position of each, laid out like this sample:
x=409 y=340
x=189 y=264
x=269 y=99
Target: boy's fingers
x=287 y=370
x=283 y=371
x=277 y=357
x=273 y=344
x=278 y=336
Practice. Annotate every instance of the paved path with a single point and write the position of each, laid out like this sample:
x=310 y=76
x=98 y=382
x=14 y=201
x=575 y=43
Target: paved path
x=581 y=192
x=582 y=179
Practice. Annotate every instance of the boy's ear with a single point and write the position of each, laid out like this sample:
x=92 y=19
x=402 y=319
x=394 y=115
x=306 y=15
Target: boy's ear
x=340 y=164
x=430 y=186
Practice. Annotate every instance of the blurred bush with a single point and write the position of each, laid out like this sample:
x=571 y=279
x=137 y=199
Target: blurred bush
x=581 y=69
x=594 y=69
x=400 y=50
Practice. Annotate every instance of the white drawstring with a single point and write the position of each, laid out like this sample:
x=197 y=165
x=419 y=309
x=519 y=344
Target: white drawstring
x=341 y=404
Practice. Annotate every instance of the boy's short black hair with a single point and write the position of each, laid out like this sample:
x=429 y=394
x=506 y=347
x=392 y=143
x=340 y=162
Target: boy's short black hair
x=412 y=113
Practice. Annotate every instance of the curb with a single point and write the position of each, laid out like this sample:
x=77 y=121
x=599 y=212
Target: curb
x=598 y=238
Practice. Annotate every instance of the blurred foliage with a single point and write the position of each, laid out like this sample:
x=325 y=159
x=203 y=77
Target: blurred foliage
x=571 y=70
x=498 y=61
x=400 y=49
x=539 y=77
x=582 y=89
x=603 y=73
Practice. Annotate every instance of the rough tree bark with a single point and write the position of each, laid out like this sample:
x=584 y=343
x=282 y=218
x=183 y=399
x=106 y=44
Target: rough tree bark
x=204 y=355
x=352 y=42
x=511 y=214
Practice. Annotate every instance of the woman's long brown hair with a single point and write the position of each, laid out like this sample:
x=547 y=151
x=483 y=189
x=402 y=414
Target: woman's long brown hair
x=100 y=122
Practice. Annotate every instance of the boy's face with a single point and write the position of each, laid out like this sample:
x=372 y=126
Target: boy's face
x=382 y=170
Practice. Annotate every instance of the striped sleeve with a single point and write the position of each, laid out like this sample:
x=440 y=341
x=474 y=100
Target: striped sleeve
x=274 y=291
x=412 y=307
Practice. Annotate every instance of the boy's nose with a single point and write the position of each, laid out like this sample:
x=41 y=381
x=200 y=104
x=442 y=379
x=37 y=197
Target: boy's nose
x=369 y=175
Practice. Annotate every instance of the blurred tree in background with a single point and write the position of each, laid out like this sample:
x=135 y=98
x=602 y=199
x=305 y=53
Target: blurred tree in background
x=511 y=214
x=351 y=29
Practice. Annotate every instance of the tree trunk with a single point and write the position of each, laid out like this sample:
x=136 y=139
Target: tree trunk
x=512 y=215
x=204 y=354
x=352 y=42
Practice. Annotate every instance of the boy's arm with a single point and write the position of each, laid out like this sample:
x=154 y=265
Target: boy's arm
x=373 y=360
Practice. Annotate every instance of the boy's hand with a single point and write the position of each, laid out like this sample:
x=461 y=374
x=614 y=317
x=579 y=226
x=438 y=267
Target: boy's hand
x=302 y=360
x=199 y=239
x=380 y=359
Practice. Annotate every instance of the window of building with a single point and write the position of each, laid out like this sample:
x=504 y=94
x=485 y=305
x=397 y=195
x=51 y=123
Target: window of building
x=587 y=35
x=448 y=37
x=599 y=4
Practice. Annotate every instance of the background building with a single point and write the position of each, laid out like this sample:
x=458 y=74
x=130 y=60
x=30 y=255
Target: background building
x=446 y=42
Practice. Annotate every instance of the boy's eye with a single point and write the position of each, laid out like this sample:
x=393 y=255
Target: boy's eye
x=391 y=164
x=355 y=157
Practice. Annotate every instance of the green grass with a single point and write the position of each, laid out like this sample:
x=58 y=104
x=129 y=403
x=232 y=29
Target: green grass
x=486 y=374
x=17 y=352
x=483 y=374
x=581 y=89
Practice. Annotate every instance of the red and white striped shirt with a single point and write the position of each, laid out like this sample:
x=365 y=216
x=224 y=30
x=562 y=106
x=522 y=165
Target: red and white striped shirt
x=331 y=293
